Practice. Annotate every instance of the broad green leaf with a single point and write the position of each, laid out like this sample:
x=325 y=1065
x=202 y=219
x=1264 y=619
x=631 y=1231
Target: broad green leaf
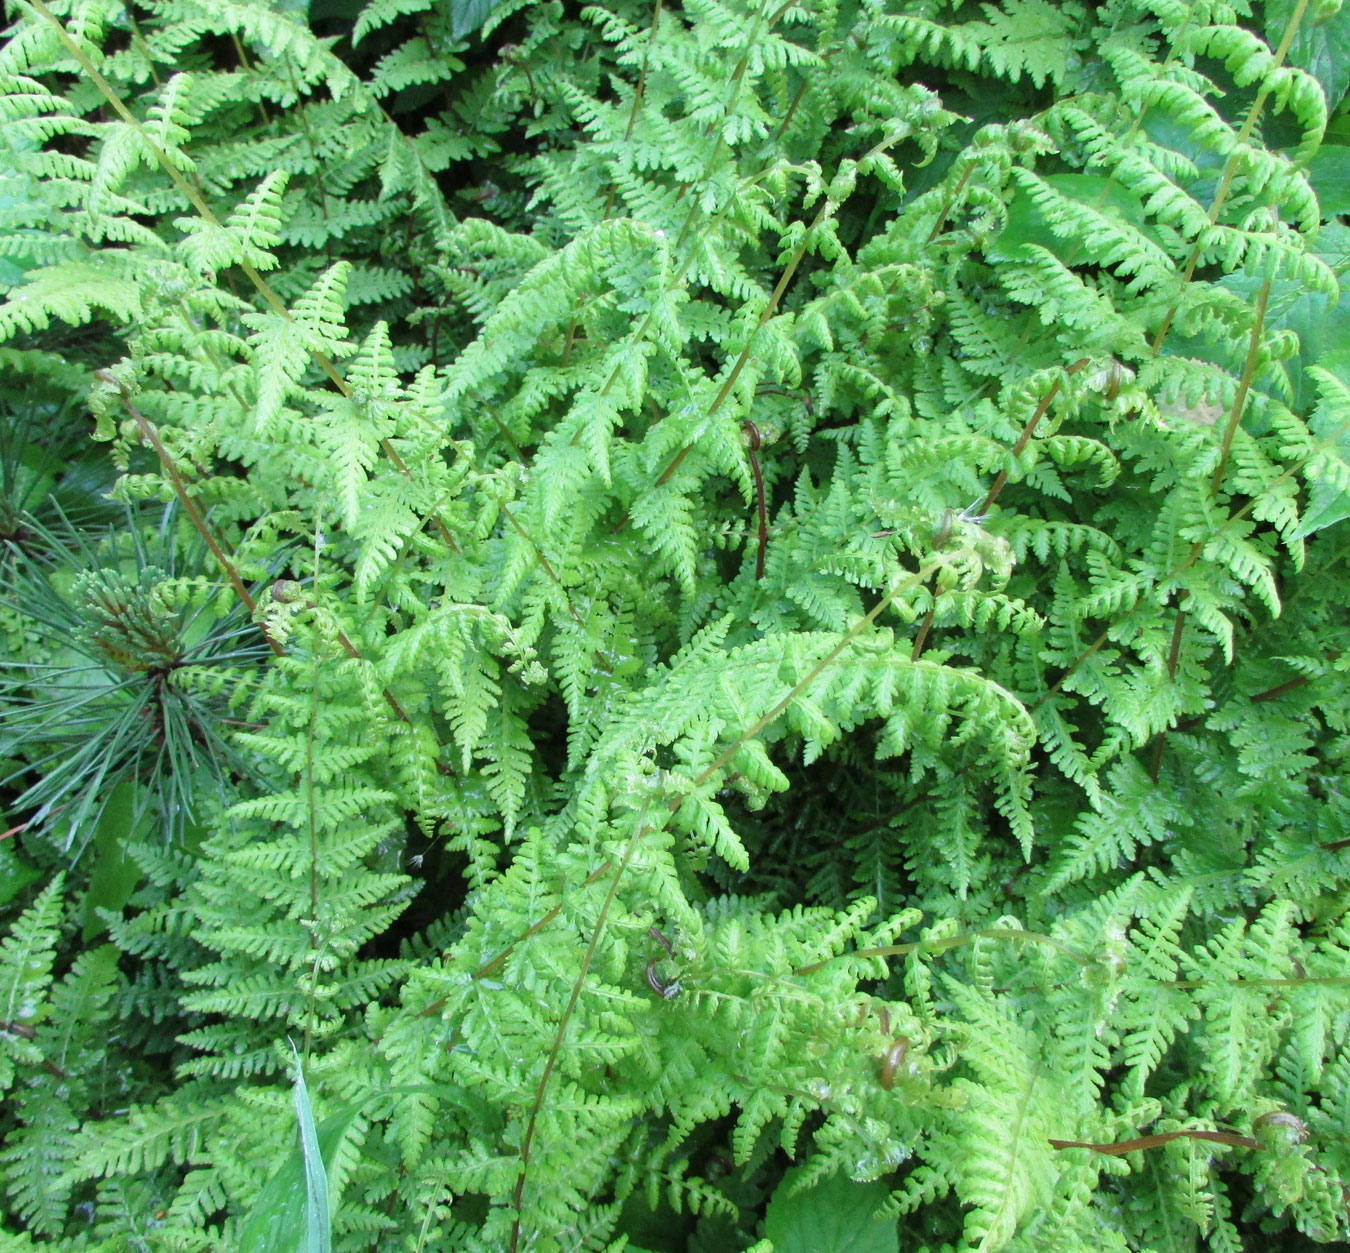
x=835 y=1215
x=1328 y=497
x=1026 y=224
x=468 y=15
x=16 y=872
x=1322 y=327
x=115 y=874
x=1321 y=48
x=1329 y=173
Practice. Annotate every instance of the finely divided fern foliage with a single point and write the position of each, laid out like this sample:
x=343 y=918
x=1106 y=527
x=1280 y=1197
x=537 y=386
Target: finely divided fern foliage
x=693 y=587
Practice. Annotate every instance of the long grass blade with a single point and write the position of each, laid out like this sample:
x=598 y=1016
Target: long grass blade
x=318 y=1228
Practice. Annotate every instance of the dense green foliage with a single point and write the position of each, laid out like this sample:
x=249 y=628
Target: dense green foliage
x=668 y=591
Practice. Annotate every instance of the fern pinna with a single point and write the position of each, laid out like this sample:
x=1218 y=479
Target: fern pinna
x=785 y=570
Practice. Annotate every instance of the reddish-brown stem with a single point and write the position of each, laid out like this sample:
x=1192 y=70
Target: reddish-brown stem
x=555 y=1050
x=1288 y=685
x=791 y=111
x=1244 y=386
x=951 y=200
x=1235 y=159
x=27 y=1033
x=638 y=93
x=1185 y=564
x=769 y=309
x=1121 y=1147
x=924 y=627
x=493 y=964
x=641 y=89
x=921 y=639
x=170 y=468
x=569 y=339
x=512 y=59
x=1027 y=432
x=436 y=341
x=1173 y=657
x=752 y=433
x=656 y=934
x=1271 y=693
x=350 y=649
x=1230 y=431
x=1174 y=653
